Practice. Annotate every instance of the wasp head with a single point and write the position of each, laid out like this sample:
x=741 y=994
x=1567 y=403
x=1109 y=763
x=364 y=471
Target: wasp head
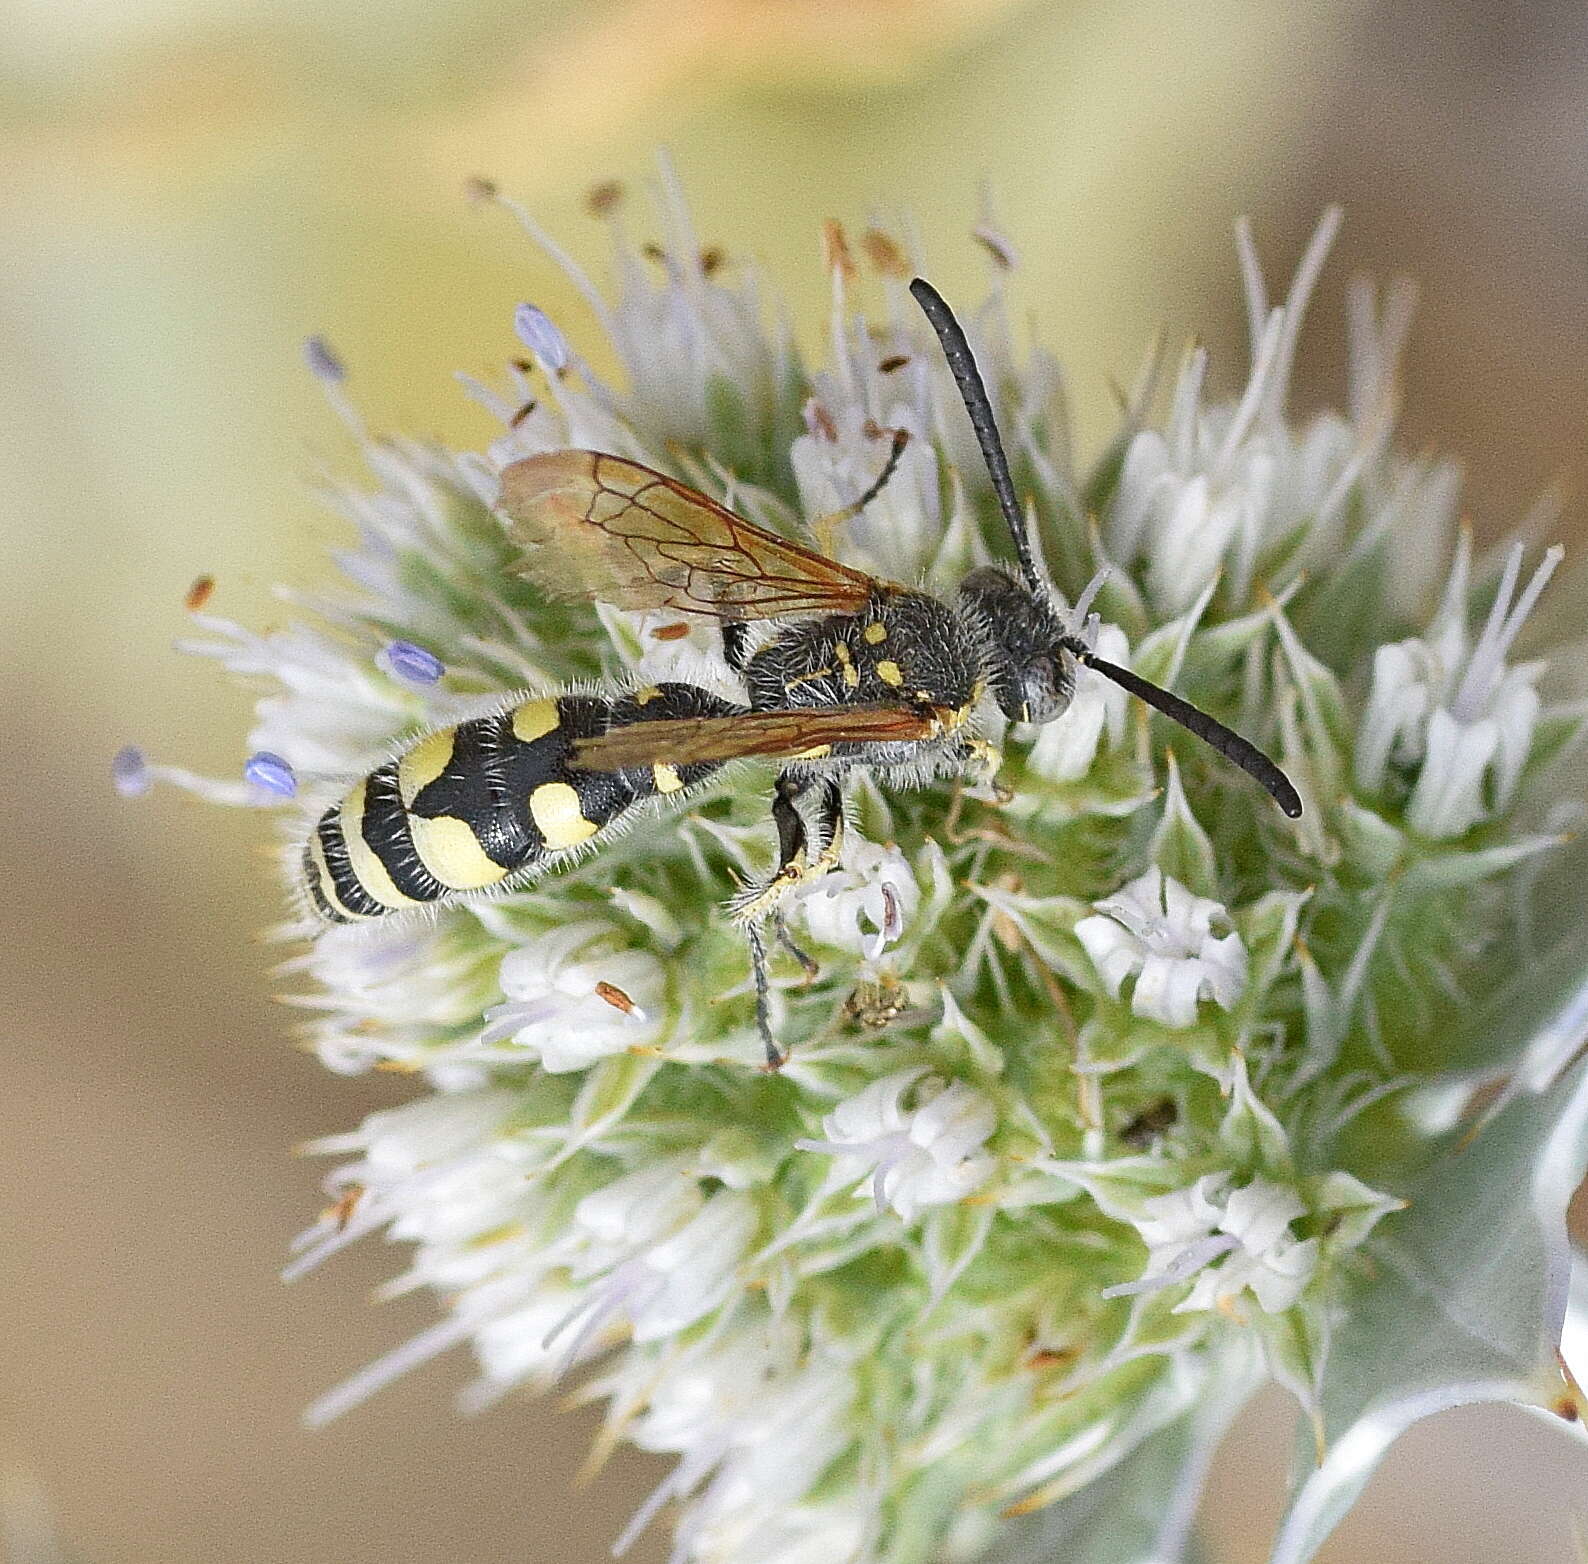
x=1030 y=673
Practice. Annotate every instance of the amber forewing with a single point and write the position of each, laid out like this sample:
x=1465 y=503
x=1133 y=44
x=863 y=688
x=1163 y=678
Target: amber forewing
x=786 y=734
x=597 y=526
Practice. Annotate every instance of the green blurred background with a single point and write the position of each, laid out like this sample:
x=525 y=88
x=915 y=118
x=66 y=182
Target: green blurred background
x=187 y=189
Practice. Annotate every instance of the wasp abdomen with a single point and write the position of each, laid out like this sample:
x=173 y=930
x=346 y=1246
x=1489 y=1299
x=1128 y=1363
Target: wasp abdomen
x=472 y=805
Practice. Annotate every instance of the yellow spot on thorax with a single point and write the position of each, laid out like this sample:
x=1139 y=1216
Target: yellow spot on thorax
x=371 y=872
x=647 y=695
x=890 y=673
x=667 y=778
x=876 y=632
x=555 y=808
x=534 y=720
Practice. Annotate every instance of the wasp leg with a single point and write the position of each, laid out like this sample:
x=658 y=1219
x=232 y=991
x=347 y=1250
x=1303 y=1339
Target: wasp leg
x=735 y=644
x=775 y=1057
x=830 y=822
x=757 y=903
x=795 y=864
x=982 y=762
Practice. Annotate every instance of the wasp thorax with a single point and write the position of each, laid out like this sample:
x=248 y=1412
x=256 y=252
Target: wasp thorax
x=1030 y=674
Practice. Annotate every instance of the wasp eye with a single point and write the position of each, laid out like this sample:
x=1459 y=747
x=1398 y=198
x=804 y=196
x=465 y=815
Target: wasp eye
x=1046 y=683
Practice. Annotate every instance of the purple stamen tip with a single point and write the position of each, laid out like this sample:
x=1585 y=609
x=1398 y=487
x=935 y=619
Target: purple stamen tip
x=539 y=333
x=130 y=773
x=323 y=362
x=412 y=664
x=271 y=774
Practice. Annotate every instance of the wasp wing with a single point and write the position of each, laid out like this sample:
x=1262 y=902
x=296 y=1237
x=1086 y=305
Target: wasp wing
x=791 y=734
x=597 y=526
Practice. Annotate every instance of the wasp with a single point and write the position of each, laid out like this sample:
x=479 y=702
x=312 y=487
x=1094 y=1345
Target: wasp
x=840 y=671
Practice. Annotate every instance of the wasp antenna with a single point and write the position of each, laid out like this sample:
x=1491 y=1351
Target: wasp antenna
x=1212 y=732
x=973 y=392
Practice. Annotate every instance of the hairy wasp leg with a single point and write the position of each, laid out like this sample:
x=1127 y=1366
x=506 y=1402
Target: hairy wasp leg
x=793 y=840
x=735 y=644
x=757 y=903
x=775 y=1057
x=751 y=908
x=981 y=762
x=829 y=821
x=830 y=825
x=830 y=817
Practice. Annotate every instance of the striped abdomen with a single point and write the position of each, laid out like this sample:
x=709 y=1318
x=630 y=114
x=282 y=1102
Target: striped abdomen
x=470 y=806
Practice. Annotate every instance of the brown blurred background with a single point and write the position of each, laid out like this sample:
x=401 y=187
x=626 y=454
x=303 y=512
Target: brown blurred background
x=188 y=188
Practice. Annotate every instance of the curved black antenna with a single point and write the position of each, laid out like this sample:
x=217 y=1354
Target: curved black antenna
x=1226 y=741
x=973 y=391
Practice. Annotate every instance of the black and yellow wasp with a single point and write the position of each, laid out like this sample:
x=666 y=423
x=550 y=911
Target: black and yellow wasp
x=850 y=671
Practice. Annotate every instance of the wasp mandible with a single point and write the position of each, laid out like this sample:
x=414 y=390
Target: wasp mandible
x=850 y=671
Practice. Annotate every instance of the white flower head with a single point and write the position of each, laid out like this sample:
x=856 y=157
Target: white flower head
x=624 y=1218
x=336 y=709
x=664 y=1255
x=917 y=1137
x=1232 y=1239
x=519 y=1346
x=601 y=1171
x=1208 y=493
x=1159 y=932
x=385 y=992
x=1450 y=706
x=754 y=1429
x=1188 y=522
x=574 y=996
x=864 y=905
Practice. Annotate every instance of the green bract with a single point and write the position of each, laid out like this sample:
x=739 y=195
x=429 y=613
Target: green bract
x=1110 y=1100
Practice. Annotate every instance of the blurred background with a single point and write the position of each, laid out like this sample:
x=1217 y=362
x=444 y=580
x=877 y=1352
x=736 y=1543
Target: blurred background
x=190 y=187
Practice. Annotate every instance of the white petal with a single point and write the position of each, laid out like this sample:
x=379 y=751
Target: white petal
x=1115 y=953
x=1448 y=799
x=1167 y=991
x=1258 y=1213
